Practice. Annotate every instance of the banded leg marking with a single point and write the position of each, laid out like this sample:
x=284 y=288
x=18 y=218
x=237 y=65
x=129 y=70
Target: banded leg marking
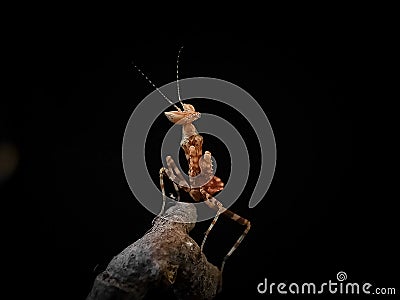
x=176 y=175
x=162 y=171
x=178 y=194
x=211 y=226
x=214 y=203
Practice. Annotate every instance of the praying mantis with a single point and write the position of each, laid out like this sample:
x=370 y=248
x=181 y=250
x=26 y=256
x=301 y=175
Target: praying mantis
x=200 y=167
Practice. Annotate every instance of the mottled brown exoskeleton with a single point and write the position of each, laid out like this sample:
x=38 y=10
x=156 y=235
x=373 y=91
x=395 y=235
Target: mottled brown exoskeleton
x=192 y=144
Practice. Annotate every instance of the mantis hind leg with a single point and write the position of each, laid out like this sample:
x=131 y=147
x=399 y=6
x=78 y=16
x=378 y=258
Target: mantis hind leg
x=215 y=204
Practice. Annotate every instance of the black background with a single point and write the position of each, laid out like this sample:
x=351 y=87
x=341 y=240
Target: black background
x=313 y=222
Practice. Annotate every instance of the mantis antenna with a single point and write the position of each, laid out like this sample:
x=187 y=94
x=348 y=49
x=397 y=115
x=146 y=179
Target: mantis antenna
x=177 y=77
x=162 y=94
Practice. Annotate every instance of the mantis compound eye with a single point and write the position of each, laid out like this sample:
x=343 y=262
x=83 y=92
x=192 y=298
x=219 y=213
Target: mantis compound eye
x=181 y=118
x=188 y=108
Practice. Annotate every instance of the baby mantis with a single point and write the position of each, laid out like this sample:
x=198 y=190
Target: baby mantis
x=200 y=167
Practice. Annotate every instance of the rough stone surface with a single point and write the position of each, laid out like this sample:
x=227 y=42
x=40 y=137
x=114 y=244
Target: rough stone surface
x=166 y=256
